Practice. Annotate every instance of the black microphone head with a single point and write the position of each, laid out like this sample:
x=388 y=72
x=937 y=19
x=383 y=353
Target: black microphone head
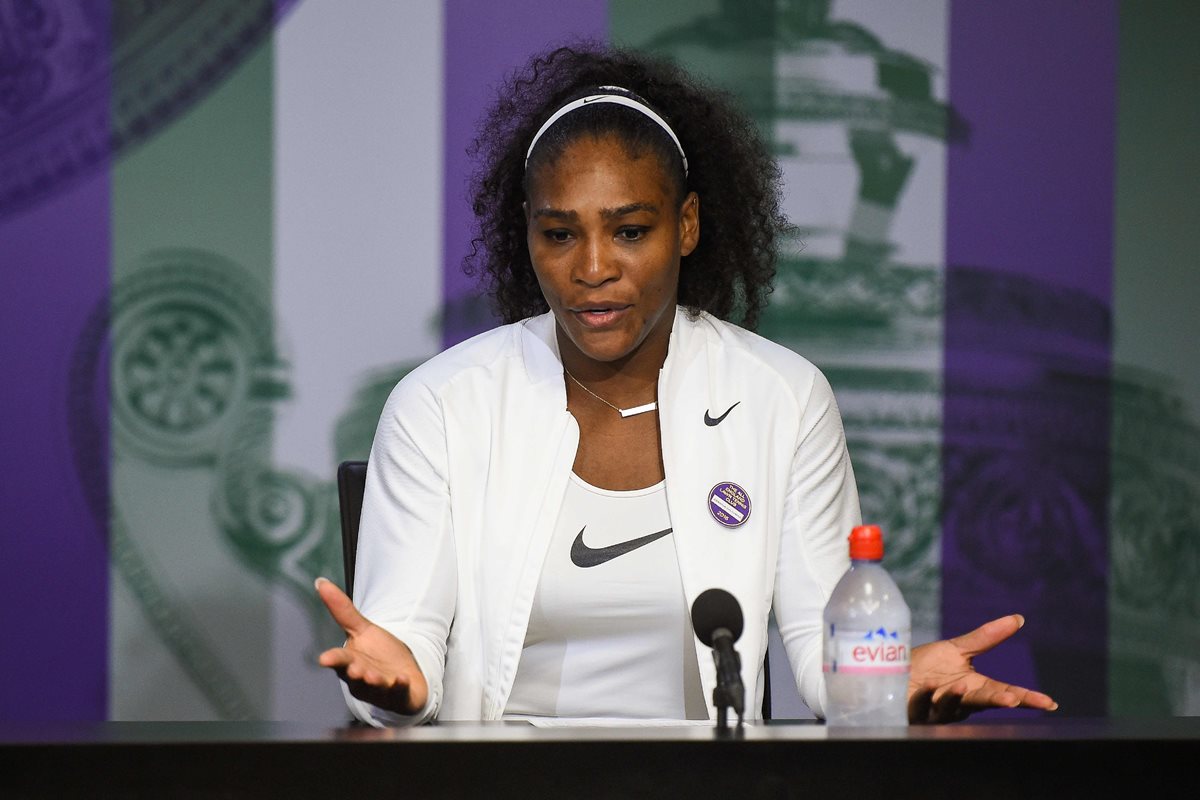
x=713 y=609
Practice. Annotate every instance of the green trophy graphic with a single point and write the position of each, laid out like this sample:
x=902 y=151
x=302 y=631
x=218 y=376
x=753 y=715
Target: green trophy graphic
x=195 y=382
x=81 y=82
x=1154 y=602
x=850 y=121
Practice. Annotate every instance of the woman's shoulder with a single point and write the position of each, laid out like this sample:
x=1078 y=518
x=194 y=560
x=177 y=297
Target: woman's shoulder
x=507 y=347
x=758 y=358
x=765 y=368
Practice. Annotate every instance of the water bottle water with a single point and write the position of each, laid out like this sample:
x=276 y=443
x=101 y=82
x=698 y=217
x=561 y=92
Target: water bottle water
x=868 y=638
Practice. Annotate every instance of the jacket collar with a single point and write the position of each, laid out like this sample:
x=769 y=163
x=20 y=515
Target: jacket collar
x=539 y=349
x=543 y=362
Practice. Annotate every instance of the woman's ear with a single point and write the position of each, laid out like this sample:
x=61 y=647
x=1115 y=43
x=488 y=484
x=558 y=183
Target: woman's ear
x=689 y=224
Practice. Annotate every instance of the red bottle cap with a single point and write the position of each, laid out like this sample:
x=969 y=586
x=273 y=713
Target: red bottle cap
x=866 y=543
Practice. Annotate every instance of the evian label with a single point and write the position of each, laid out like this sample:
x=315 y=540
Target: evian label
x=882 y=651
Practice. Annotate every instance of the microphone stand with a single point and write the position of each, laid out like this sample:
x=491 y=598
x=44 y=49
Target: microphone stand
x=729 y=691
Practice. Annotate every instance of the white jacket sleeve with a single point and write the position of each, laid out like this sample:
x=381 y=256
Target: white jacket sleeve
x=820 y=509
x=405 y=571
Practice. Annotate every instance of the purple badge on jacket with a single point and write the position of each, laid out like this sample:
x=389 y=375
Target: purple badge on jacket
x=729 y=504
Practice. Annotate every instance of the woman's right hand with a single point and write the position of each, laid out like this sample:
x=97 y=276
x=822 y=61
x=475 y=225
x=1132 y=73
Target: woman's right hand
x=377 y=667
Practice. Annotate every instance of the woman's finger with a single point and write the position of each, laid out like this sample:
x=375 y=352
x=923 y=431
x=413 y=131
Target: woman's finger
x=1027 y=698
x=920 y=703
x=335 y=658
x=948 y=707
x=341 y=607
x=394 y=698
x=988 y=635
x=991 y=694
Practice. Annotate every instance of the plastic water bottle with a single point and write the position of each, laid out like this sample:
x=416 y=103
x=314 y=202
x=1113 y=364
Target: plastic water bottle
x=868 y=639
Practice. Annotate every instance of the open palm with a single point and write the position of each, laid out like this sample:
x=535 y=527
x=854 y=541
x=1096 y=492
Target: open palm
x=944 y=686
x=377 y=667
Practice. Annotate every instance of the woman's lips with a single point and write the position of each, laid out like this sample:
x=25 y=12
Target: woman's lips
x=600 y=317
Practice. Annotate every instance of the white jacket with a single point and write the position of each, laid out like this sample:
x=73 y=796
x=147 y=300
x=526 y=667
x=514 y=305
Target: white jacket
x=471 y=461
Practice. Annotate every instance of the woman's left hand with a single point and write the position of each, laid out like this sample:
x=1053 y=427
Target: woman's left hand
x=943 y=685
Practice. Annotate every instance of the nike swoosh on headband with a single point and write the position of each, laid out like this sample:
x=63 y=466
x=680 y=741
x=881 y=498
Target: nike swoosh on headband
x=617 y=99
x=709 y=421
x=584 y=556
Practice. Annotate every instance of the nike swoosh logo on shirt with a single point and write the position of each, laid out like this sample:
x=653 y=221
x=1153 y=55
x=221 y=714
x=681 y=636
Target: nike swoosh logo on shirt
x=584 y=556
x=709 y=421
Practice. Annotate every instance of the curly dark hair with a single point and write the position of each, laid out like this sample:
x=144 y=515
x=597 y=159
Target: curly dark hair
x=729 y=167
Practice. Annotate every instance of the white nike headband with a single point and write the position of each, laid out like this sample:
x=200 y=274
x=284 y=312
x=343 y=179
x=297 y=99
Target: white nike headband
x=617 y=99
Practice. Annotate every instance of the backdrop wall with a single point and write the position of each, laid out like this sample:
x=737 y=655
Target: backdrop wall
x=227 y=229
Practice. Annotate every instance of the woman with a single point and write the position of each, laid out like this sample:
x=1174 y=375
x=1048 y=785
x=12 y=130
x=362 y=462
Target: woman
x=544 y=501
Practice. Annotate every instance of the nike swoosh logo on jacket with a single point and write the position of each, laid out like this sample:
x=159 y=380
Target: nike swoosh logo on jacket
x=709 y=421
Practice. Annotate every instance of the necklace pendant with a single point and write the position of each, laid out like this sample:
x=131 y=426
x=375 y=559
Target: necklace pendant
x=633 y=412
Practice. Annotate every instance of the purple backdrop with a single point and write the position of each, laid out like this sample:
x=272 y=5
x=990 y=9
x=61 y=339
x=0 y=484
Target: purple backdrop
x=485 y=42
x=1027 y=338
x=54 y=600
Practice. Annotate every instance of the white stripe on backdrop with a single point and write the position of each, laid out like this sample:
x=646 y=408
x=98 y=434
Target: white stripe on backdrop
x=358 y=171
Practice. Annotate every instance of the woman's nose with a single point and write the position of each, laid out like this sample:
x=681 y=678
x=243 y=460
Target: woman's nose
x=596 y=264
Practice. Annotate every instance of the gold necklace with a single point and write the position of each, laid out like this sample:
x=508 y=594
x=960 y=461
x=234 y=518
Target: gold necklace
x=624 y=412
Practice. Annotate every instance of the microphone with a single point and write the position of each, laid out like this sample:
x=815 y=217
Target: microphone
x=717 y=621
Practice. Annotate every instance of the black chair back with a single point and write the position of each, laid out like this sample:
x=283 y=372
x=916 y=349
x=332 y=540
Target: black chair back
x=351 y=481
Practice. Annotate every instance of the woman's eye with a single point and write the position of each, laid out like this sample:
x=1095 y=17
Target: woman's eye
x=631 y=234
x=558 y=235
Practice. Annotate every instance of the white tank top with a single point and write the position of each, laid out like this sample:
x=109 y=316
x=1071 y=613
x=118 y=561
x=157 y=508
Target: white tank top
x=609 y=634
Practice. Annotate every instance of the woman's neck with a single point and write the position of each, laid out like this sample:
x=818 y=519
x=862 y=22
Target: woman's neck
x=624 y=381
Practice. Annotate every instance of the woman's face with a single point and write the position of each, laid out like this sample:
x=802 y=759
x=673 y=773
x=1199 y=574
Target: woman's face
x=605 y=236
